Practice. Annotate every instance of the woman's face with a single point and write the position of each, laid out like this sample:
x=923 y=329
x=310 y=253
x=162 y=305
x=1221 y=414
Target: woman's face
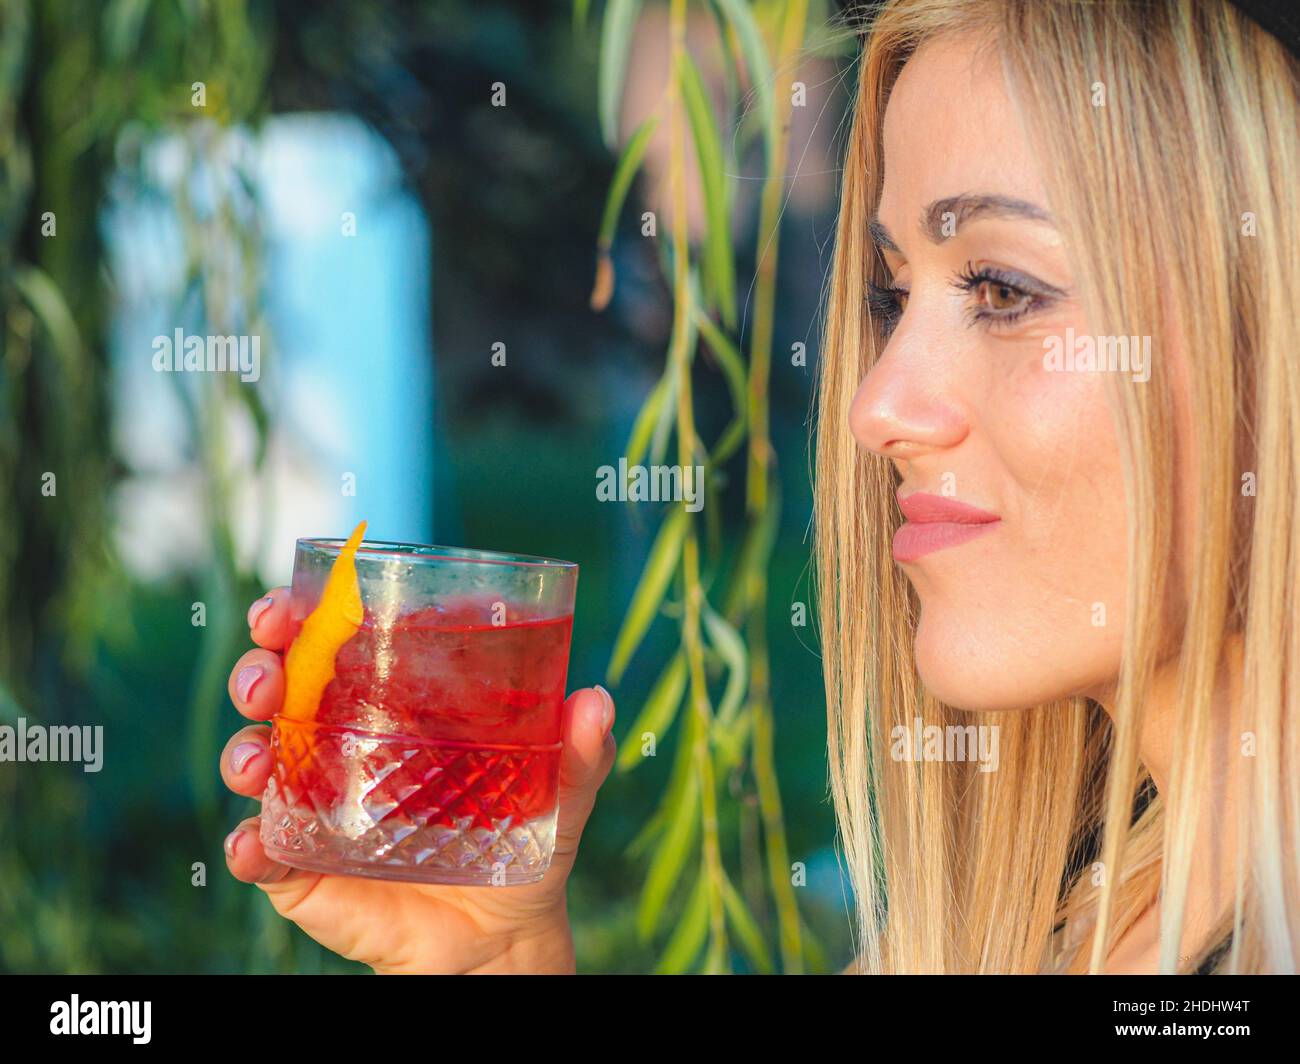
x=1022 y=598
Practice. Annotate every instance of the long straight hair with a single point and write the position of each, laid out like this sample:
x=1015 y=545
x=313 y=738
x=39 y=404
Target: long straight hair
x=1169 y=137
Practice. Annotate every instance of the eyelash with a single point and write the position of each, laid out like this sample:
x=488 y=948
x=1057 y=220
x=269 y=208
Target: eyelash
x=883 y=301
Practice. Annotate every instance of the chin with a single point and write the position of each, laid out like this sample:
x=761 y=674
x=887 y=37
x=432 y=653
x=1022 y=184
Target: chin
x=972 y=693
x=972 y=676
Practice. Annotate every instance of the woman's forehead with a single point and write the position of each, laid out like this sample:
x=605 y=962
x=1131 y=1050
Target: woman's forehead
x=951 y=127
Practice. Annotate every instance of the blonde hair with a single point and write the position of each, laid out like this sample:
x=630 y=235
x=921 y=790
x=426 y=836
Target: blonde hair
x=957 y=870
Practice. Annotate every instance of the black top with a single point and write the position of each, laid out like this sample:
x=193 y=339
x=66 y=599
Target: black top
x=1214 y=957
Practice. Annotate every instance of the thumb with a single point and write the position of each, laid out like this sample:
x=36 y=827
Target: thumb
x=585 y=762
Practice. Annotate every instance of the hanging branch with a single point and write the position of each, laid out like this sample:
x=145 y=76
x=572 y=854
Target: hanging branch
x=704 y=305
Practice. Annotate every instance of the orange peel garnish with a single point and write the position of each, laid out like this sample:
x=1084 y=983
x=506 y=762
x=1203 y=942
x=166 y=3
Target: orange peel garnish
x=309 y=664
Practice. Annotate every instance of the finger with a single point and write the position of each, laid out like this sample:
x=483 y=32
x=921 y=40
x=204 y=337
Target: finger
x=588 y=755
x=256 y=684
x=246 y=762
x=247 y=859
x=268 y=619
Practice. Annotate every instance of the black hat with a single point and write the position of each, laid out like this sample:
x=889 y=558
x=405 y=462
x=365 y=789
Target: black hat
x=1280 y=17
x=1282 y=20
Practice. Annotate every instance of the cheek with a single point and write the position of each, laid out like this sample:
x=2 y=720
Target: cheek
x=1039 y=615
x=1059 y=448
x=1055 y=437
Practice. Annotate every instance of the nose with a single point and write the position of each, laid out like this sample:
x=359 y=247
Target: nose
x=906 y=405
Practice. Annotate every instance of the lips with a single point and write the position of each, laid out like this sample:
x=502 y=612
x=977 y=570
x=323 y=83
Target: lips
x=935 y=523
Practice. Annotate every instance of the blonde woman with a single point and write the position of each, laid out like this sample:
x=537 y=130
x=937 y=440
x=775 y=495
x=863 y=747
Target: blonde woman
x=1077 y=551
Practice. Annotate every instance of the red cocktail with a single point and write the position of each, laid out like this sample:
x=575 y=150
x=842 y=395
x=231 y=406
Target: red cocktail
x=432 y=751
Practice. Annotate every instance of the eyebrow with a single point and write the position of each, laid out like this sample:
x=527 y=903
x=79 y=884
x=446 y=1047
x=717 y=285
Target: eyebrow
x=967 y=207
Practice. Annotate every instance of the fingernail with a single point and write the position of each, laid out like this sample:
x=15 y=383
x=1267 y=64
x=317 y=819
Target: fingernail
x=242 y=754
x=246 y=679
x=257 y=609
x=606 y=710
x=232 y=840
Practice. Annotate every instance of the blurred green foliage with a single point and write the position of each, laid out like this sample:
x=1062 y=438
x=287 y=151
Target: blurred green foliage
x=97 y=870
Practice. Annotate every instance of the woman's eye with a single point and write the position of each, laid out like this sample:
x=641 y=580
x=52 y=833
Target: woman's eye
x=886 y=303
x=992 y=300
x=999 y=297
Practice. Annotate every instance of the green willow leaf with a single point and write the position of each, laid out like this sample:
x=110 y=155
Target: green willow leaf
x=759 y=68
x=625 y=170
x=628 y=165
x=123 y=23
x=615 y=43
x=47 y=303
x=669 y=859
x=688 y=937
x=70 y=357
x=729 y=358
x=814 y=951
x=730 y=741
x=668 y=412
x=681 y=772
x=724 y=638
x=747 y=932
x=719 y=269
x=733 y=369
x=650 y=590
x=658 y=713
x=728 y=443
x=732 y=60
x=667 y=419
x=650 y=831
x=667 y=416
x=755 y=552
x=580 y=10
x=646 y=420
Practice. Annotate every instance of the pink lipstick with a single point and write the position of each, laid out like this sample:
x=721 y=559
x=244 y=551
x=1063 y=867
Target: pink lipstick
x=935 y=522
